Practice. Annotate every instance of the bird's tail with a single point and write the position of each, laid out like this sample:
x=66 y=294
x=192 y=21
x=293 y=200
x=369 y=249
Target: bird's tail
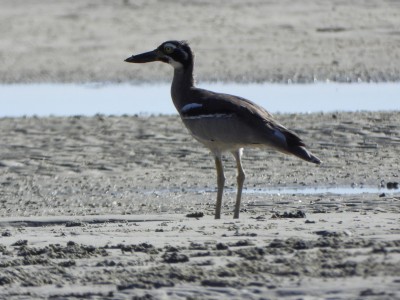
x=295 y=146
x=303 y=153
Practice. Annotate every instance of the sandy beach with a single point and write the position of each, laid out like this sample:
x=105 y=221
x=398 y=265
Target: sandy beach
x=246 y=41
x=121 y=207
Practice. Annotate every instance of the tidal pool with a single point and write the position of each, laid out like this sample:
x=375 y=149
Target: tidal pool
x=110 y=99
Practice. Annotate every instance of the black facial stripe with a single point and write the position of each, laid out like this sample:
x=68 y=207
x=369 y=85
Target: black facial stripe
x=181 y=53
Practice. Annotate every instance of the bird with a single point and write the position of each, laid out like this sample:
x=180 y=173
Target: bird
x=222 y=122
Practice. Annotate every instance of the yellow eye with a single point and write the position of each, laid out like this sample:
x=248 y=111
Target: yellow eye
x=168 y=49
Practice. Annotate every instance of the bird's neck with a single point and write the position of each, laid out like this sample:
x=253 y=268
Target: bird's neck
x=182 y=84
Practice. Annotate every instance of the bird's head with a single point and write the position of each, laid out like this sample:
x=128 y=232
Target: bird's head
x=176 y=53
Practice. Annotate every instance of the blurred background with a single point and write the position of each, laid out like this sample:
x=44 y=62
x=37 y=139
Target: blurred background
x=66 y=41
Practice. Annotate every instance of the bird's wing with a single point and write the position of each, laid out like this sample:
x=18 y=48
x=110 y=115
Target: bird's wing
x=245 y=120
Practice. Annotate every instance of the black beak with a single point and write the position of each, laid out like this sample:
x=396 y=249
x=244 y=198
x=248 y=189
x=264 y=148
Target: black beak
x=144 y=57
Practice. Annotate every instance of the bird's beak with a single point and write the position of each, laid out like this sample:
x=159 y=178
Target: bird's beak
x=144 y=57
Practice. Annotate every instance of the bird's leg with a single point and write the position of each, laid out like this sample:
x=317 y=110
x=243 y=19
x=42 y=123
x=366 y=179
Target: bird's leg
x=240 y=180
x=220 y=182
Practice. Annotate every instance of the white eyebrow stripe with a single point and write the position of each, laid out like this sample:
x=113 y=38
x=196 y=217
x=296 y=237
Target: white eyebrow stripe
x=190 y=106
x=170 y=45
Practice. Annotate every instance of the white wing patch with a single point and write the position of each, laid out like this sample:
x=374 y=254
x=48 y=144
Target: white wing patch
x=190 y=106
x=214 y=116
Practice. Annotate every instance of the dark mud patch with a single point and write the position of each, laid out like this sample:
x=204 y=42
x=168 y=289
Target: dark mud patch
x=142 y=247
x=196 y=215
x=56 y=251
x=174 y=257
x=289 y=215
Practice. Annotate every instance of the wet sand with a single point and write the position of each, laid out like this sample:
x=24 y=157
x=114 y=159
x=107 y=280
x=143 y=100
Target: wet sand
x=99 y=208
x=122 y=207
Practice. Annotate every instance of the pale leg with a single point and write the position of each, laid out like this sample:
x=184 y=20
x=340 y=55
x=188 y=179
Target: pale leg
x=220 y=182
x=240 y=180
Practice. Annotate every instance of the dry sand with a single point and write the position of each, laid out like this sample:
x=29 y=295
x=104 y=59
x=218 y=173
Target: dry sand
x=97 y=207
x=302 y=41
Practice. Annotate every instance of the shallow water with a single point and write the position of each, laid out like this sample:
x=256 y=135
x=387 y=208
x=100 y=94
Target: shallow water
x=322 y=190
x=291 y=191
x=70 y=99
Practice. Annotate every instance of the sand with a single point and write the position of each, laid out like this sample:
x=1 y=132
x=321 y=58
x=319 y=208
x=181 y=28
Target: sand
x=121 y=207
x=247 y=41
x=99 y=208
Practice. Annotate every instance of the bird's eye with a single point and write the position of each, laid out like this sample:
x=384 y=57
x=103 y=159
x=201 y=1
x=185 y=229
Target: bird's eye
x=168 y=49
